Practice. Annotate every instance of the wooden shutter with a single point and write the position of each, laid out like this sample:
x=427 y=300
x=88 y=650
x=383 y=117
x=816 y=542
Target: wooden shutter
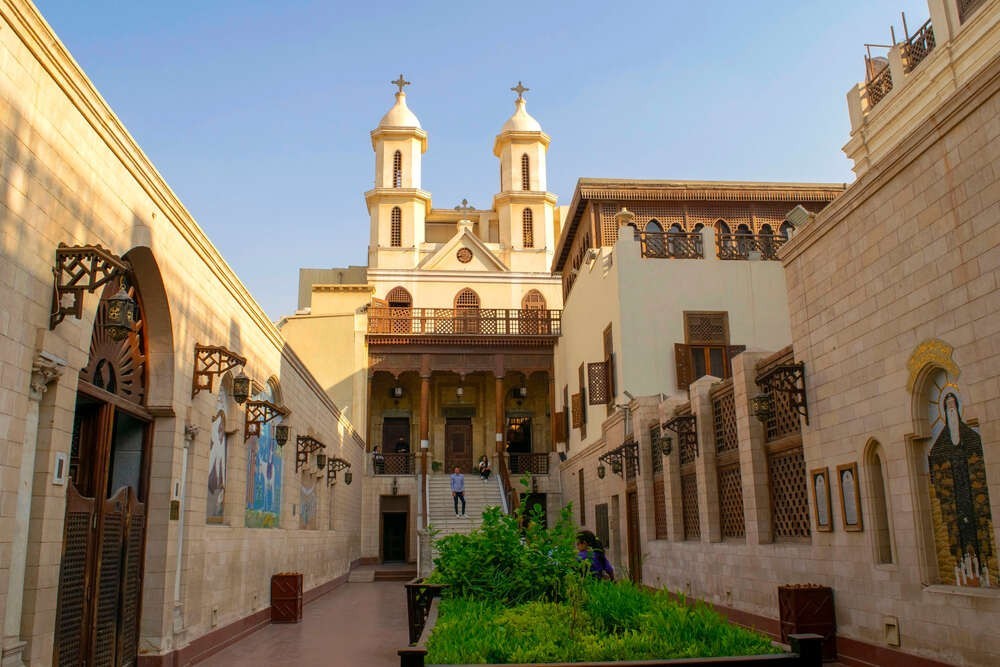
x=609 y=358
x=598 y=383
x=135 y=527
x=682 y=360
x=109 y=577
x=73 y=582
x=577 y=409
x=560 y=426
x=379 y=312
x=583 y=394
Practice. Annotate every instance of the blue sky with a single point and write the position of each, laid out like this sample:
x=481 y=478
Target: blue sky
x=258 y=113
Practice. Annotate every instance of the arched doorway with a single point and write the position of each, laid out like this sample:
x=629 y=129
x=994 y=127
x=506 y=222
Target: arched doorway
x=100 y=578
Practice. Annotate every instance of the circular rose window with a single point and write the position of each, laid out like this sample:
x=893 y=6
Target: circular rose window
x=464 y=255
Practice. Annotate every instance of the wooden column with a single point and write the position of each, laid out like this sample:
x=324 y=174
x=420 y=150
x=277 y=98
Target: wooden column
x=425 y=415
x=498 y=373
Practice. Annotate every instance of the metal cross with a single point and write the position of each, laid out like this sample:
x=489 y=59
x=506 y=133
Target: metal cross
x=520 y=90
x=464 y=206
x=400 y=82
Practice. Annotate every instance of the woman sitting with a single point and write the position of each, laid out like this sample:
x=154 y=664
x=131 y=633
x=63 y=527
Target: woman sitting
x=484 y=468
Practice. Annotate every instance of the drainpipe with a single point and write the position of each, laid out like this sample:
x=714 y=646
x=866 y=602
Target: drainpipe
x=190 y=433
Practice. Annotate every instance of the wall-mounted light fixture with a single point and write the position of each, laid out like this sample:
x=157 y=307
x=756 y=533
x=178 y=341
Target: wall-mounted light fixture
x=119 y=316
x=80 y=269
x=762 y=406
x=397 y=392
x=281 y=434
x=601 y=470
x=394 y=489
x=304 y=446
x=261 y=412
x=459 y=392
x=212 y=360
x=241 y=387
x=321 y=461
x=787 y=379
x=332 y=466
x=522 y=391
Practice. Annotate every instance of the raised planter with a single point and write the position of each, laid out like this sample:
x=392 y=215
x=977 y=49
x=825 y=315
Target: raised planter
x=418 y=605
x=808 y=608
x=806 y=652
x=286 y=597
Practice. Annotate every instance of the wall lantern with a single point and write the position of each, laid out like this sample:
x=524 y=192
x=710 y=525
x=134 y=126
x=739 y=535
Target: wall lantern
x=332 y=466
x=788 y=379
x=304 y=446
x=666 y=444
x=80 y=269
x=762 y=406
x=459 y=391
x=397 y=392
x=321 y=461
x=522 y=391
x=241 y=388
x=261 y=412
x=601 y=471
x=395 y=487
x=119 y=318
x=212 y=360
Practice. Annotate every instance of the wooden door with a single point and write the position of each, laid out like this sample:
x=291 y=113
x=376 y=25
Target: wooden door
x=394 y=537
x=632 y=531
x=458 y=444
x=100 y=576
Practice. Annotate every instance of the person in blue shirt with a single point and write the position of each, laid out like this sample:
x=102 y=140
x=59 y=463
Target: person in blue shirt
x=458 y=489
x=590 y=549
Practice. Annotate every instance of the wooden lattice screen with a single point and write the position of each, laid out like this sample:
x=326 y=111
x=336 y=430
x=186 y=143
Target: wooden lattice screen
x=655 y=453
x=724 y=418
x=598 y=382
x=789 y=496
x=784 y=420
x=659 y=507
x=559 y=424
x=71 y=609
x=731 y=501
x=689 y=506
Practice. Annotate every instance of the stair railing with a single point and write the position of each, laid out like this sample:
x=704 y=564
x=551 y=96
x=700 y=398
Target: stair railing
x=510 y=498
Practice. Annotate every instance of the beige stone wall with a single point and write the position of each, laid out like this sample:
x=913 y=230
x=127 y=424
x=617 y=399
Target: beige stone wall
x=70 y=173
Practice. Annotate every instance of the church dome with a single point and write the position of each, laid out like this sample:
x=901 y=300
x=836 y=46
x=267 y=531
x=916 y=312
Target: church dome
x=400 y=115
x=521 y=121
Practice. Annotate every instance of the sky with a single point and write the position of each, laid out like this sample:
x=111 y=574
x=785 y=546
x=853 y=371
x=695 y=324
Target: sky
x=258 y=113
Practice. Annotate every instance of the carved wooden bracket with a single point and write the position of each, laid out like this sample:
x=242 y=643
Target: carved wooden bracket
x=304 y=446
x=80 y=269
x=209 y=361
x=260 y=412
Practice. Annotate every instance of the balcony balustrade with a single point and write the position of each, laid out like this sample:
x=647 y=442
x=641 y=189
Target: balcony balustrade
x=676 y=245
x=739 y=246
x=535 y=463
x=464 y=322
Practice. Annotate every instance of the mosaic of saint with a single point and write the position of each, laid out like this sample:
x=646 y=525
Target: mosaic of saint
x=960 y=503
x=264 y=467
x=217 y=453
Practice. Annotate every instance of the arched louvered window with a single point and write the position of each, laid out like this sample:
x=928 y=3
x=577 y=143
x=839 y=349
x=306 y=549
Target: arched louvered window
x=654 y=226
x=398 y=297
x=396 y=234
x=397 y=170
x=533 y=300
x=466 y=299
x=525 y=172
x=653 y=245
x=528 y=228
x=721 y=227
x=786 y=229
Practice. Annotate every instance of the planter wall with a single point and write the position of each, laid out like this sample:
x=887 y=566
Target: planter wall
x=286 y=597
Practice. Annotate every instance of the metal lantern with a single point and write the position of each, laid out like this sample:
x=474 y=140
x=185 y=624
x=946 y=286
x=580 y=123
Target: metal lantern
x=666 y=445
x=241 y=388
x=601 y=471
x=459 y=391
x=395 y=487
x=321 y=461
x=616 y=466
x=397 y=392
x=120 y=315
x=522 y=391
x=762 y=406
x=348 y=476
x=281 y=434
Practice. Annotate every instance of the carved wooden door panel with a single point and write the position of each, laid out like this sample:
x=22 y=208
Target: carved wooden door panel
x=458 y=444
x=74 y=579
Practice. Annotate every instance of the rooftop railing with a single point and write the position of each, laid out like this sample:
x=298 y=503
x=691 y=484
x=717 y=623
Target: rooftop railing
x=464 y=321
x=677 y=245
x=916 y=48
x=879 y=85
x=739 y=246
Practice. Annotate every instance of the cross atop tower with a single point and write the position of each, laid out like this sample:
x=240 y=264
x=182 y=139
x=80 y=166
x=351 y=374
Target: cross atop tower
x=400 y=82
x=520 y=89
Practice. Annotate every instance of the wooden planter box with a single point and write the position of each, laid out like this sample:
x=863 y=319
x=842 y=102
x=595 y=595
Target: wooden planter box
x=286 y=597
x=808 y=608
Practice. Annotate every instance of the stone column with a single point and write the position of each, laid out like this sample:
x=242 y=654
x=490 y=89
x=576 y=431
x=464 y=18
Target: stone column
x=708 y=482
x=753 y=457
x=44 y=369
x=425 y=443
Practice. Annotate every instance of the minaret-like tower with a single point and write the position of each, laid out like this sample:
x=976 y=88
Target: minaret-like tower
x=397 y=206
x=525 y=207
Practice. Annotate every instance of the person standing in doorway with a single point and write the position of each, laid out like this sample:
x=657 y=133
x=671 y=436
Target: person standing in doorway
x=458 y=489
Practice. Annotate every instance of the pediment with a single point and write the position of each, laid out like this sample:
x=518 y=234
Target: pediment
x=463 y=252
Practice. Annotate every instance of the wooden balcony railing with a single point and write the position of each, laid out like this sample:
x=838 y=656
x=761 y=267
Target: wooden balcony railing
x=919 y=45
x=396 y=463
x=535 y=463
x=878 y=86
x=677 y=245
x=739 y=246
x=464 y=321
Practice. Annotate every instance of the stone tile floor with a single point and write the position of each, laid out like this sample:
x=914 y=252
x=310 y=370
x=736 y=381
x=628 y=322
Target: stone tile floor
x=354 y=625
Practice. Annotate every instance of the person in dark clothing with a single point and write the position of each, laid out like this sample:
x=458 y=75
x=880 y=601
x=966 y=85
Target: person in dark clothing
x=590 y=549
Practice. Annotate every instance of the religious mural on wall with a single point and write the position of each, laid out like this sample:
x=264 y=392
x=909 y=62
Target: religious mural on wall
x=264 y=468
x=308 y=505
x=217 y=458
x=960 y=502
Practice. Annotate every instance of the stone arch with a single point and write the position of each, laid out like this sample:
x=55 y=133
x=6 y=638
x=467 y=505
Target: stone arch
x=879 y=505
x=158 y=326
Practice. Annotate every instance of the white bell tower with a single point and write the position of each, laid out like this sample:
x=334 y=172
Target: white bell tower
x=396 y=205
x=525 y=207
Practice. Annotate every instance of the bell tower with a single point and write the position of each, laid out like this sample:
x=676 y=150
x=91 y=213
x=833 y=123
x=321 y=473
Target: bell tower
x=396 y=205
x=525 y=207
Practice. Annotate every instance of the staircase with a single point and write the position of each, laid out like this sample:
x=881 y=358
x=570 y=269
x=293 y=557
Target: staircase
x=478 y=495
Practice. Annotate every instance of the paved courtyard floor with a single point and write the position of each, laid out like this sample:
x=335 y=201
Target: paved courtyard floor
x=356 y=624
